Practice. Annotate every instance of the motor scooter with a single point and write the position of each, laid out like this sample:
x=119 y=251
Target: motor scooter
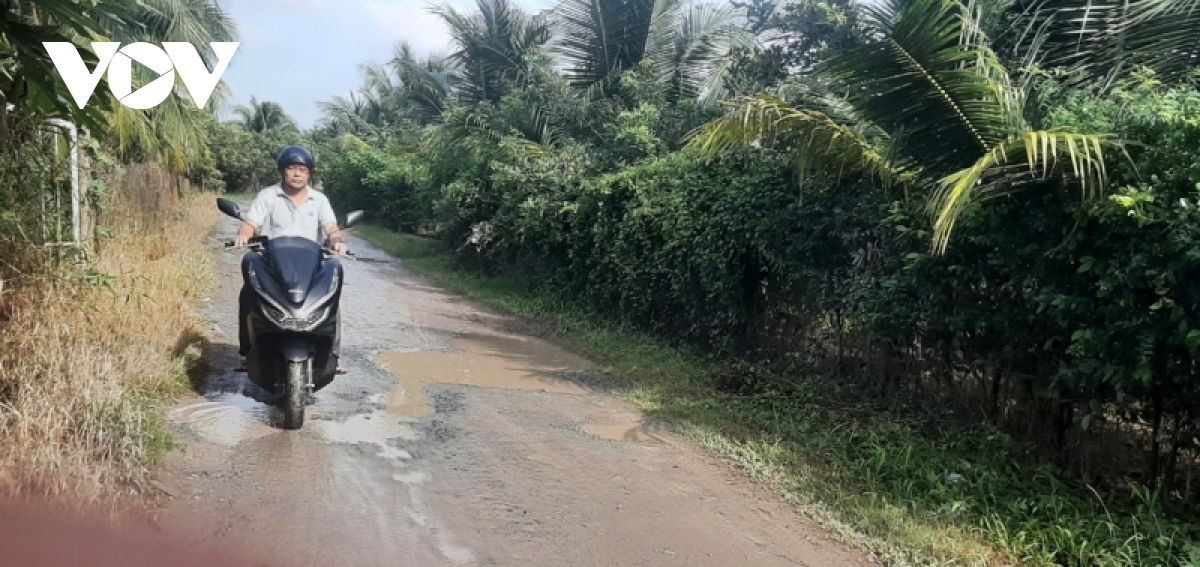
x=295 y=322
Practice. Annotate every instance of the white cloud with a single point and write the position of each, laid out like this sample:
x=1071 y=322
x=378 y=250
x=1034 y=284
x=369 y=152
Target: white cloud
x=411 y=22
x=414 y=22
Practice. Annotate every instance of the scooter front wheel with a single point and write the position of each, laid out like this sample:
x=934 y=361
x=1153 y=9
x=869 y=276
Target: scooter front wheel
x=295 y=395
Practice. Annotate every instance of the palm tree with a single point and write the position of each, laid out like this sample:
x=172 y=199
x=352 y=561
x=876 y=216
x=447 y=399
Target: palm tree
x=688 y=45
x=174 y=131
x=343 y=115
x=699 y=50
x=1098 y=41
x=263 y=117
x=493 y=46
x=427 y=85
x=927 y=104
x=404 y=93
x=27 y=74
x=370 y=112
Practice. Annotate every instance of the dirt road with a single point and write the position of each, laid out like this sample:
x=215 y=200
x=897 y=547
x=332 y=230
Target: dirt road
x=454 y=440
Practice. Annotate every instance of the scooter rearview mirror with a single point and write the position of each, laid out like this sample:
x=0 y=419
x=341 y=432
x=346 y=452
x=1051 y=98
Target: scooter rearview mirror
x=229 y=208
x=352 y=219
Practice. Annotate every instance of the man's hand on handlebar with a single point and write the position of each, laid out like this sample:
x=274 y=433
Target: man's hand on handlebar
x=243 y=241
x=245 y=233
x=341 y=249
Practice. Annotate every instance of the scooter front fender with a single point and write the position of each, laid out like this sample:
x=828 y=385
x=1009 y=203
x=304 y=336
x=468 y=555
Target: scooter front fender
x=297 y=350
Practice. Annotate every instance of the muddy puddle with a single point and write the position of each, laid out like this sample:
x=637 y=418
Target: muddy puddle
x=632 y=432
x=225 y=419
x=377 y=428
x=484 y=361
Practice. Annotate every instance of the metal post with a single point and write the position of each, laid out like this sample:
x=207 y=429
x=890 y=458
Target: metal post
x=75 y=193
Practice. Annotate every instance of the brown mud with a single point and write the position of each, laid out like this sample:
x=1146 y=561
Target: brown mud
x=497 y=361
x=453 y=440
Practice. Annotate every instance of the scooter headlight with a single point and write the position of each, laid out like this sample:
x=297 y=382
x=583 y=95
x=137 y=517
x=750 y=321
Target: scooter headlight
x=271 y=309
x=305 y=324
x=299 y=324
x=274 y=314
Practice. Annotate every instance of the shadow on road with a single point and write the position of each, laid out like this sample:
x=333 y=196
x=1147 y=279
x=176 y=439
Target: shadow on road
x=212 y=371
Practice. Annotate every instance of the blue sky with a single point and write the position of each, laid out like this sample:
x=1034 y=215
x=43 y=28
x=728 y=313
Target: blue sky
x=299 y=52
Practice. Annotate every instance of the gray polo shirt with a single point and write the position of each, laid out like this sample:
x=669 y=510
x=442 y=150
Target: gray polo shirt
x=279 y=216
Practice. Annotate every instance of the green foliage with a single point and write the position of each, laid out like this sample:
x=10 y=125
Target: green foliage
x=31 y=176
x=1099 y=42
x=384 y=185
x=632 y=135
x=494 y=45
x=930 y=104
x=687 y=45
x=809 y=31
x=244 y=160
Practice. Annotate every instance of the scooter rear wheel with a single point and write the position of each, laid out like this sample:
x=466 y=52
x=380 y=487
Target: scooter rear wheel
x=295 y=395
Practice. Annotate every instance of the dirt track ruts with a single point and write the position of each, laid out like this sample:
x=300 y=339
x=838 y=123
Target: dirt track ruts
x=455 y=440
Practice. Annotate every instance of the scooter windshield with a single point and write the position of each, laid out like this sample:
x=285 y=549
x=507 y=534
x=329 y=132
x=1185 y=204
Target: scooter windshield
x=294 y=261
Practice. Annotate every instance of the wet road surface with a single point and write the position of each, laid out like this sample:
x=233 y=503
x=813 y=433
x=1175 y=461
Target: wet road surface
x=454 y=440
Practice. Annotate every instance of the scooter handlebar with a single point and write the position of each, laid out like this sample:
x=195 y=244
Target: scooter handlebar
x=330 y=252
x=255 y=241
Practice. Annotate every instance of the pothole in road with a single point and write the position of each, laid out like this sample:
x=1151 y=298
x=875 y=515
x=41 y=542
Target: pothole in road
x=448 y=402
x=225 y=419
x=484 y=361
x=379 y=428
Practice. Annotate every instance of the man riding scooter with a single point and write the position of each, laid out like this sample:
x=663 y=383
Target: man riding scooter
x=288 y=208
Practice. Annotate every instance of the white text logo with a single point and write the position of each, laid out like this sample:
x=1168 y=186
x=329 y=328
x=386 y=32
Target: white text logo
x=118 y=61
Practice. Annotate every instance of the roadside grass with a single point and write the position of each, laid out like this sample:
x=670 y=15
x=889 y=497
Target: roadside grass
x=90 y=358
x=912 y=491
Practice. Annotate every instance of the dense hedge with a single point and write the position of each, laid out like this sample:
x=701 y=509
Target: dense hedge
x=671 y=244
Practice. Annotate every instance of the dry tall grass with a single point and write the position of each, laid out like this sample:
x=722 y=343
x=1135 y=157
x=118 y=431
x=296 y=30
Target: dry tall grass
x=87 y=359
